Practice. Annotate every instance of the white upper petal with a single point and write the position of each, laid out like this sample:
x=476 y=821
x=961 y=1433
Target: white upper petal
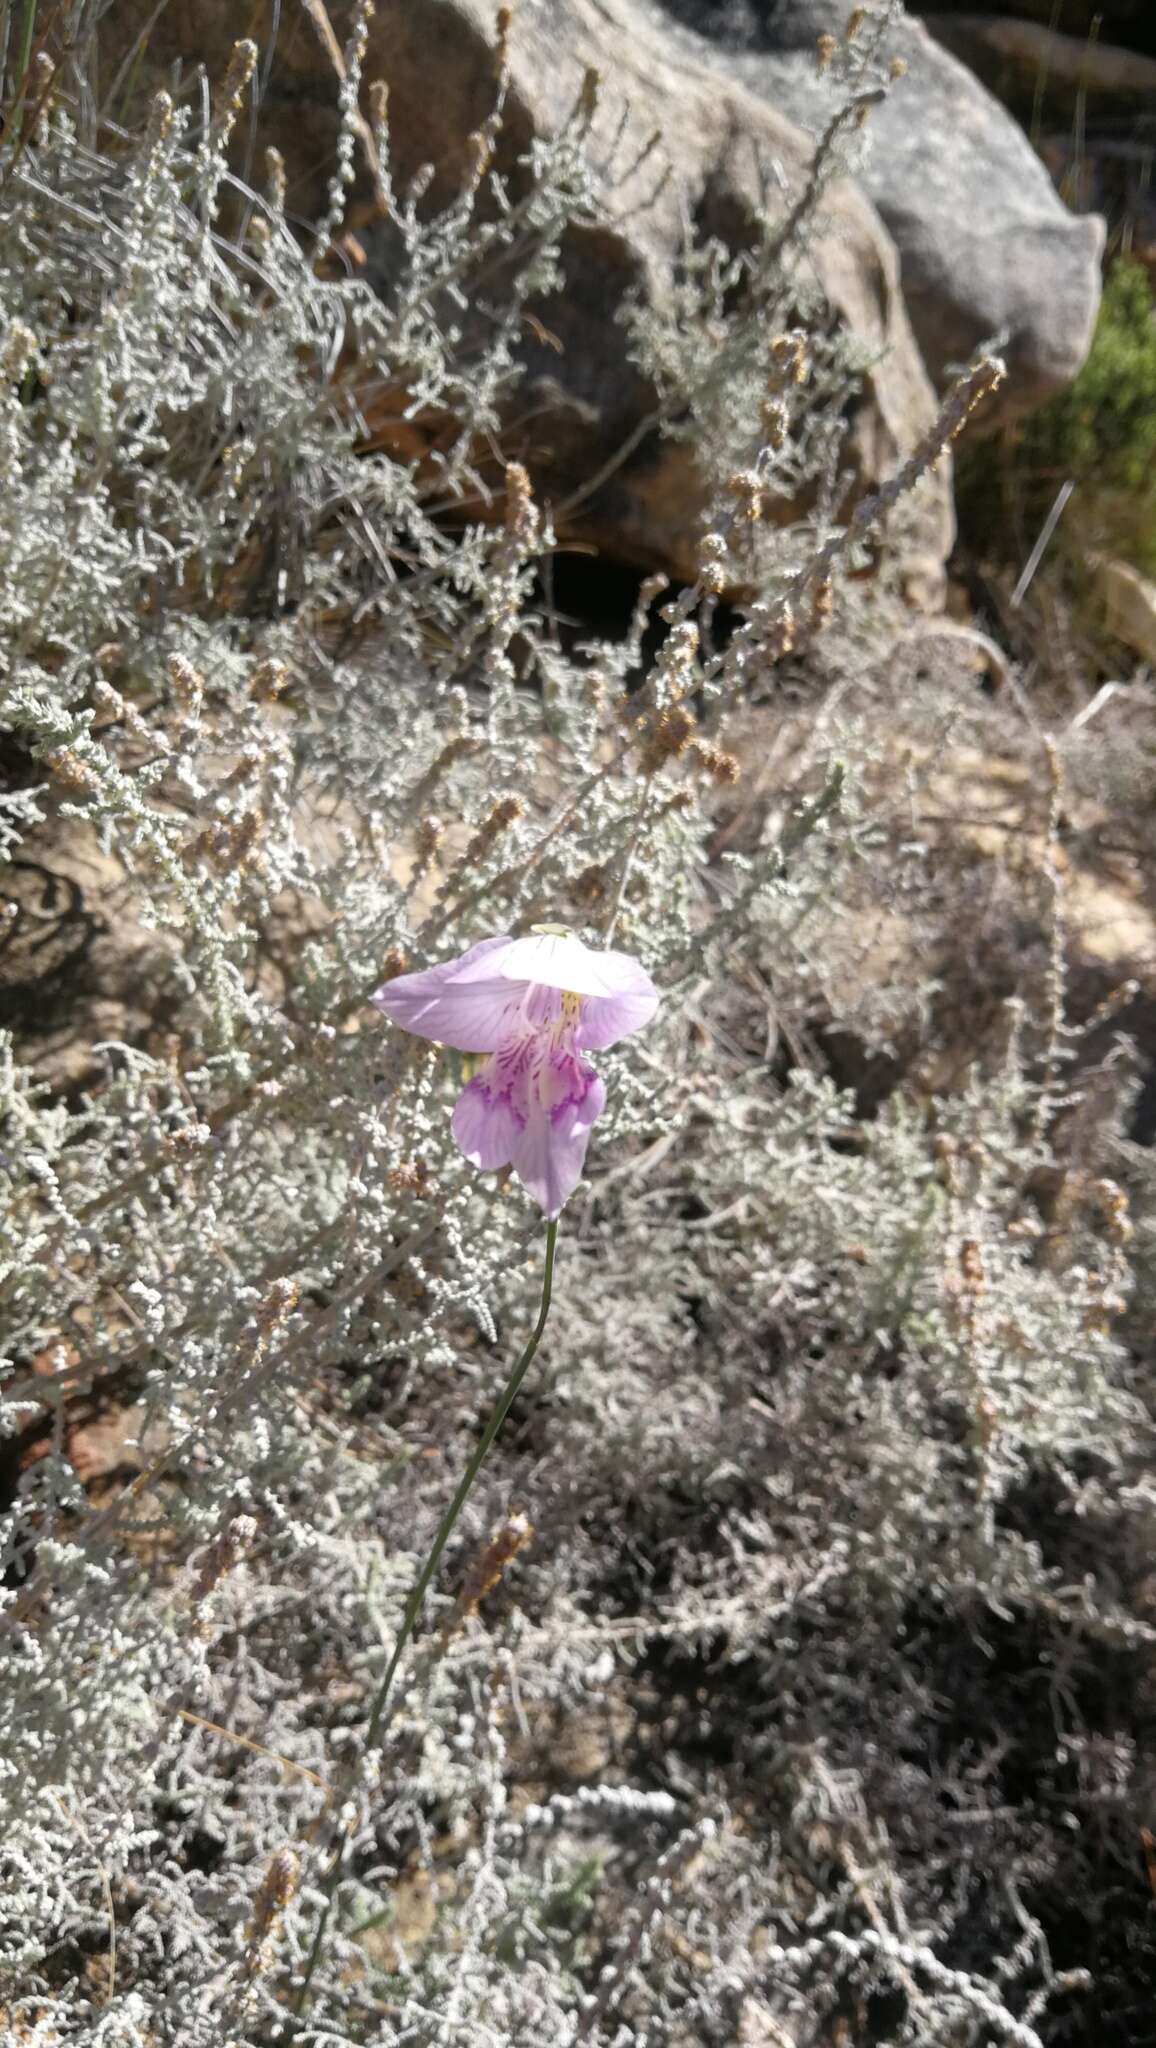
x=559 y=960
x=472 y=1001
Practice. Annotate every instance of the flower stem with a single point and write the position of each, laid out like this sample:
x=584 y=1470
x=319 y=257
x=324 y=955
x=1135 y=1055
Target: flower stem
x=501 y=1409
x=378 y=1719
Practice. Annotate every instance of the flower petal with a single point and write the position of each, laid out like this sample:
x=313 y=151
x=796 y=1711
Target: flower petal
x=486 y=1126
x=462 y=1002
x=548 y=1154
x=606 y=1019
x=559 y=960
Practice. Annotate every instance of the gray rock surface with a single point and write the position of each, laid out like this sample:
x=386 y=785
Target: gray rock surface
x=584 y=397
x=985 y=243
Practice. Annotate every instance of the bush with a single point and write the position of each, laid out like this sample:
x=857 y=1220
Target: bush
x=835 y=1612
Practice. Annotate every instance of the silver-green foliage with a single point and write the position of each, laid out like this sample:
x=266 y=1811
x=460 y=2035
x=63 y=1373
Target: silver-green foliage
x=804 y=1368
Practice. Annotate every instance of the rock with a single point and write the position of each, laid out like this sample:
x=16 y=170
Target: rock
x=1084 y=99
x=979 y=816
x=77 y=968
x=985 y=244
x=1022 y=60
x=584 y=398
x=1130 y=22
x=1129 y=607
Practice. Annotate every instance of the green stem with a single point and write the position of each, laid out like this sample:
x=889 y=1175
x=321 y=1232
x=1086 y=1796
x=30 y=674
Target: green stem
x=24 y=62
x=502 y=1408
x=378 y=1719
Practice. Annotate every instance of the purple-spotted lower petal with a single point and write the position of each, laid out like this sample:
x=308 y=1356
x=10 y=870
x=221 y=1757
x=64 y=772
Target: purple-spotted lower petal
x=486 y=1126
x=464 y=1002
x=549 y=1153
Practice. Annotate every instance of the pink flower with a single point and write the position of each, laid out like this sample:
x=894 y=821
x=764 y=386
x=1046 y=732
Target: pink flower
x=535 y=1005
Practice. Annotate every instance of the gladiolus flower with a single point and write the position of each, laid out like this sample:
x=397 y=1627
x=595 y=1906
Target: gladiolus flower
x=535 y=1005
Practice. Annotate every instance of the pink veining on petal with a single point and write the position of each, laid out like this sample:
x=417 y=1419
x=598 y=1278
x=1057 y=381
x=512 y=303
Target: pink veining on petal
x=462 y=1003
x=486 y=1126
x=534 y=1004
x=551 y=1151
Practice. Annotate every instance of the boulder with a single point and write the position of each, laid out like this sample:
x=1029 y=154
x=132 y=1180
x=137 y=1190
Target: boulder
x=1025 y=63
x=585 y=399
x=985 y=244
x=1129 y=606
x=1129 y=22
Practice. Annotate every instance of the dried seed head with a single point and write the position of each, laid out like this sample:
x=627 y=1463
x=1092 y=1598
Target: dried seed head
x=722 y=768
x=276 y=1891
x=972 y=1269
x=1113 y=1205
x=16 y=352
x=855 y=20
x=410 y=1176
x=822 y=604
x=229 y=843
x=277 y=1307
x=268 y=681
x=278 y=1886
x=946 y=1152
x=222 y=1557
x=746 y=488
x=275 y=179
x=506 y=1539
x=825 y=48
x=377 y=97
x=775 y=420
x=974 y=386
x=522 y=523
x=667 y=736
x=588 y=95
x=479 y=155
x=75 y=774
x=789 y=362
x=430 y=834
x=590 y=886
x=505 y=813
x=241 y=66
x=452 y=751
x=897 y=69
x=159 y=123
x=188 y=685
x=679 y=649
x=107 y=701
